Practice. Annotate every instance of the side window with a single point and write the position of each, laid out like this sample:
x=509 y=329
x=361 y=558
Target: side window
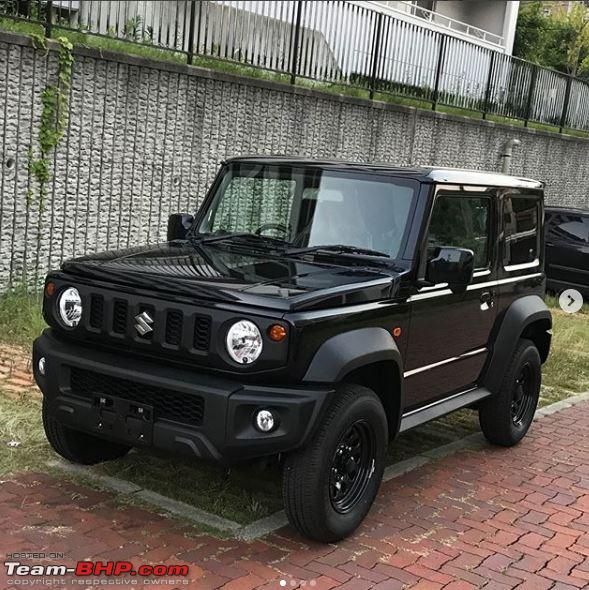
x=574 y=228
x=461 y=221
x=520 y=218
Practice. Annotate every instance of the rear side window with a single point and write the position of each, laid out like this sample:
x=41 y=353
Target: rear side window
x=520 y=220
x=461 y=221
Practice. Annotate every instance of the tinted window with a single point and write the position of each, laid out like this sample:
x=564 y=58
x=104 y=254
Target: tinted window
x=462 y=222
x=520 y=217
x=570 y=227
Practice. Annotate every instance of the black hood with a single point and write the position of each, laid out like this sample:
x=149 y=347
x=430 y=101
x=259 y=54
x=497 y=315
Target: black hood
x=239 y=275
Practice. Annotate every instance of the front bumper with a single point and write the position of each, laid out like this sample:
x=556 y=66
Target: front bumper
x=142 y=403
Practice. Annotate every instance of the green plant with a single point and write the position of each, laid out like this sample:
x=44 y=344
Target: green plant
x=23 y=445
x=21 y=320
x=54 y=116
x=132 y=29
x=554 y=36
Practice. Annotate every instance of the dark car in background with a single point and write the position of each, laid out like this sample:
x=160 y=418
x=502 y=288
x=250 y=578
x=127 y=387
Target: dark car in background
x=567 y=249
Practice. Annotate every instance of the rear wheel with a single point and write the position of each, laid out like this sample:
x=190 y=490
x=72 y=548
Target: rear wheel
x=329 y=486
x=506 y=417
x=79 y=447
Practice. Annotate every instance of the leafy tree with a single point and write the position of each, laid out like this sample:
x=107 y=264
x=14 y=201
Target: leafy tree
x=531 y=33
x=573 y=31
x=559 y=39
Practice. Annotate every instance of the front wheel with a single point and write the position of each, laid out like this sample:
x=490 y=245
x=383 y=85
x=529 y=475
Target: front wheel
x=329 y=486
x=506 y=417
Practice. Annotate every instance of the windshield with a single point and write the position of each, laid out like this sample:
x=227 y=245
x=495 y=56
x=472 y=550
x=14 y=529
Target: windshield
x=306 y=207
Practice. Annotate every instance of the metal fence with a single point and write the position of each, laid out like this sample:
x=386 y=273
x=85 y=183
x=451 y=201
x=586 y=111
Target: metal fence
x=335 y=42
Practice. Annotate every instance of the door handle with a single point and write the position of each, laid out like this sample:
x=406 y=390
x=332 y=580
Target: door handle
x=487 y=300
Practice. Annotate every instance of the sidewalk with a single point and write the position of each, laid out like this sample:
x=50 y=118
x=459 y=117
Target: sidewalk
x=492 y=518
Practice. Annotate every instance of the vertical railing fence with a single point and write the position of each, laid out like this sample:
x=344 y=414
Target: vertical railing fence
x=334 y=44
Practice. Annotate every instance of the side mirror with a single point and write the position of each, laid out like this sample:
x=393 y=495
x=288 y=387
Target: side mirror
x=451 y=265
x=178 y=226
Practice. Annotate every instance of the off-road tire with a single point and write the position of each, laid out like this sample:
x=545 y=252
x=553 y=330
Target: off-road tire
x=79 y=447
x=496 y=414
x=307 y=475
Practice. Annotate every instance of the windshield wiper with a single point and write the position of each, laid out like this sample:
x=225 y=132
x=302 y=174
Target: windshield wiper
x=245 y=236
x=217 y=237
x=262 y=239
x=338 y=249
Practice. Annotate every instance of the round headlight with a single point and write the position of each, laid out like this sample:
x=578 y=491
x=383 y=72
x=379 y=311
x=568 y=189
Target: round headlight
x=69 y=306
x=244 y=342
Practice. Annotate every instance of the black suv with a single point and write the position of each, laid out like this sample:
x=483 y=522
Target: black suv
x=311 y=310
x=567 y=249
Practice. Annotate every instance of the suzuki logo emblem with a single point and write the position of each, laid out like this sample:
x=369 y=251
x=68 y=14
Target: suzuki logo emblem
x=143 y=323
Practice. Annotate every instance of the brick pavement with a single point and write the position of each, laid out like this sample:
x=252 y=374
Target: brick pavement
x=492 y=518
x=15 y=369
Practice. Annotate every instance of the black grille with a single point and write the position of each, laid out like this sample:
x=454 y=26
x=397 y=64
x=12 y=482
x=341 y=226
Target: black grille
x=96 y=311
x=202 y=332
x=167 y=404
x=119 y=318
x=175 y=330
x=174 y=327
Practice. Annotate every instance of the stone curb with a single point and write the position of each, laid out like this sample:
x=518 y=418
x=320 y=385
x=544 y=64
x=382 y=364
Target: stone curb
x=561 y=405
x=112 y=483
x=188 y=512
x=263 y=526
x=402 y=467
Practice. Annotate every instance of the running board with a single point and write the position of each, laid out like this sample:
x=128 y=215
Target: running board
x=440 y=408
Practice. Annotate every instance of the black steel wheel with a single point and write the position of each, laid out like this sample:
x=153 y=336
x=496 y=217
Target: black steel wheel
x=352 y=466
x=506 y=417
x=524 y=399
x=330 y=484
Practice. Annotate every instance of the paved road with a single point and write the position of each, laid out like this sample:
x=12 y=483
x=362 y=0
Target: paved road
x=492 y=518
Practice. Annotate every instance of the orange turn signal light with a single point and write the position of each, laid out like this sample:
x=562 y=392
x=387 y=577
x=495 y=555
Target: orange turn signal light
x=277 y=332
x=396 y=332
x=49 y=289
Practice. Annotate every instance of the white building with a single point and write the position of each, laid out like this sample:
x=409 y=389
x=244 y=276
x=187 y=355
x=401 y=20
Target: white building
x=457 y=36
x=490 y=23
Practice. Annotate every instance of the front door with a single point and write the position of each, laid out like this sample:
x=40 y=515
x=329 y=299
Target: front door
x=449 y=335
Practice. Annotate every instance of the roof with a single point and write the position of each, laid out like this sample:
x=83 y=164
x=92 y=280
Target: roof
x=421 y=173
x=562 y=209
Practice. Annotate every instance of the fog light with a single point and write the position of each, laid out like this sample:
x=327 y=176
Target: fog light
x=41 y=365
x=264 y=420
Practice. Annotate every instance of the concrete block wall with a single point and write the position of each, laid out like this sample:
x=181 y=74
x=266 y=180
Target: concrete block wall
x=145 y=139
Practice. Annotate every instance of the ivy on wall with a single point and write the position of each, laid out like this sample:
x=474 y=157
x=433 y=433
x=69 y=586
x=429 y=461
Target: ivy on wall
x=54 y=117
